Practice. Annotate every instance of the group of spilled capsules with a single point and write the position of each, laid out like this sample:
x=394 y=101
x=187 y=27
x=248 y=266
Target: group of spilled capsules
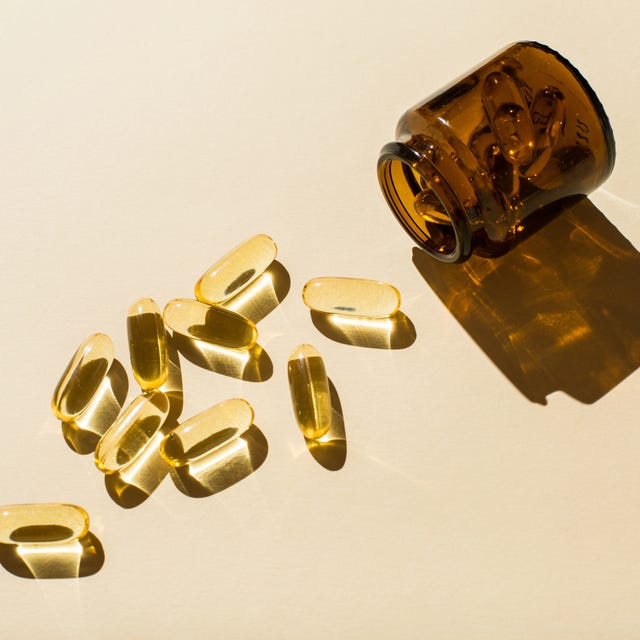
x=141 y=430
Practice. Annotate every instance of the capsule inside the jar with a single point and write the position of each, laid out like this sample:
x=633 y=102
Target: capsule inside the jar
x=82 y=377
x=216 y=325
x=42 y=523
x=206 y=432
x=236 y=270
x=132 y=432
x=310 y=395
x=147 y=344
x=352 y=297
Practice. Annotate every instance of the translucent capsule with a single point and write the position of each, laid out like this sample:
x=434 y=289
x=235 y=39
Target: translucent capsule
x=236 y=270
x=82 y=377
x=147 y=344
x=310 y=394
x=216 y=325
x=207 y=432
x=352 y=297
x=509 y=117
x=42 y=523
x=130 y=434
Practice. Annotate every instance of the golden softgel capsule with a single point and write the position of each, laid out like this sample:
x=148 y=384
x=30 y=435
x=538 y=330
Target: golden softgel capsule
x=207 y=432
x=42 y=523
x=147 y=344
x=351 y=297
x=310 y=394
x=130 y=434
x=236 y=270
x=82 y=377
x=215 y=325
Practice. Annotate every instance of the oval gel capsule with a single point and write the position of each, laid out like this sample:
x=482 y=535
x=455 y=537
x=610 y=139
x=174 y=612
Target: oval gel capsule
x=82 y=377
x=216 y=325
x=147 y=344
x=236 y=270
x=310 y=394
x=206 y=432
x=42 y=523
x=351 y=297
x=134 y=429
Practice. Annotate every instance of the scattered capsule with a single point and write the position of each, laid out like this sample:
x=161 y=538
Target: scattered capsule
x=352 y=297
x=309 y=388
x=42 y=523
x=82 y=377
x=136 y=426
x=147 y=344
x=216 y=325
x=207 y=432
x=236 y=270
x=509 y=117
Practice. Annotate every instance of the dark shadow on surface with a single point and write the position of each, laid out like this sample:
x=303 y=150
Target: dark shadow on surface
x=330 y=451
x=559 y=312
x=223 y=467
x=83 y=433
x=395 y=332
x=263 y=295
x=251 y=365
x=75 y=559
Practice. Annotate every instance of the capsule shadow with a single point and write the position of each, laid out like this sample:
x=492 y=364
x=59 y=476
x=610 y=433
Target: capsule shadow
x=223 y=467
x=263 y=295
x=559 y=312
x=330 y=451
x=250 y=365
x=83 y=433
x=395 y=332
x=173 y=384
x=75 y=559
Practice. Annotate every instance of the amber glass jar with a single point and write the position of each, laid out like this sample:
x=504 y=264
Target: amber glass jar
x=475 y=165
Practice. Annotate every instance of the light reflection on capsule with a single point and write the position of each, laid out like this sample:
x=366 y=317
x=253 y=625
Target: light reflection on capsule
x=309 y=389
x=236 y=270
x=82 y=377
x=42 y=523
x=351 y=296
x=147 y=344
x=215 y=325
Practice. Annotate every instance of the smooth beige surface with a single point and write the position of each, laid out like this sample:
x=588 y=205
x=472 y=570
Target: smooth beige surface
x=141 y=141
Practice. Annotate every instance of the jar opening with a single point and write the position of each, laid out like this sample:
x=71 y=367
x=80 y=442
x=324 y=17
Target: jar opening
x=423 y=203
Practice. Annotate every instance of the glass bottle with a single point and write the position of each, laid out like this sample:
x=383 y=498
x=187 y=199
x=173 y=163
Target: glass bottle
x=473 y=163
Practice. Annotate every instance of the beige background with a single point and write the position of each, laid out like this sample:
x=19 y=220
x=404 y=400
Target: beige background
x=139 y=141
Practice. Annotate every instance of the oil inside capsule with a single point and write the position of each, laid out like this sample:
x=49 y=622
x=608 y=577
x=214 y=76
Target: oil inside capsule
x=147 y=344
x=216 y=325
x=42 y=523
x=236 y=270
x=82 y=377
x=207 y=432
x=310 y=394
x=351 y=296
x=137 y=426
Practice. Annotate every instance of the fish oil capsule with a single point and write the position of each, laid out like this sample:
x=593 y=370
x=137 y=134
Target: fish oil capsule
x=42 y=523
x=134 y=429
x=147 y=344
x=207 y=432
x=309 y=388
x=82 y=377
x=352 y=297
x=216 y=325
x=236 y=270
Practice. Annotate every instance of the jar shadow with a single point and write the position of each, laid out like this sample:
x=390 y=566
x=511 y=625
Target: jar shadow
x=559 y=312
